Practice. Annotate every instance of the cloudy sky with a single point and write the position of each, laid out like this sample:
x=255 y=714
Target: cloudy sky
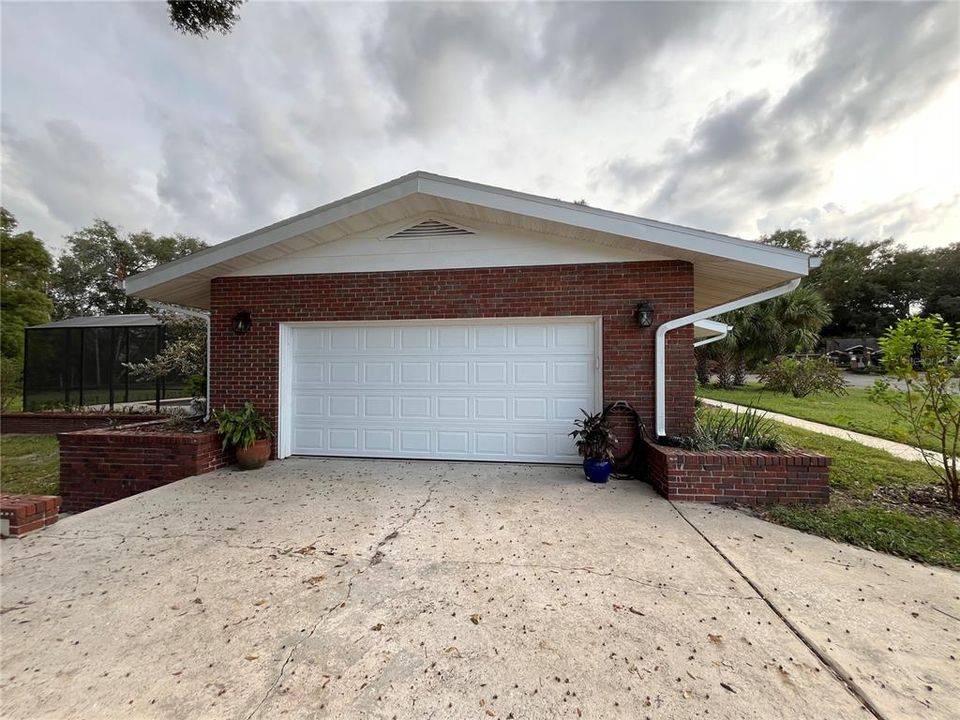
x=840 y=118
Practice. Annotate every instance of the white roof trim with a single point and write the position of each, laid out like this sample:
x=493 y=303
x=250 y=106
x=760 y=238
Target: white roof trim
x=710 y=328
x=689 y=240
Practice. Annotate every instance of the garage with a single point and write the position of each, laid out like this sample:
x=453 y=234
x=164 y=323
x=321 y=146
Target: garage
x=503 y=390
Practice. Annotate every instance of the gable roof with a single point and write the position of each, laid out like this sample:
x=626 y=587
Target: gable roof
x=725 y=267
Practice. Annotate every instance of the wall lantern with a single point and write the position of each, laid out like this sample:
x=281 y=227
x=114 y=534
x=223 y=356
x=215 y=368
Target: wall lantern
x=242 y=322
x=644 y=314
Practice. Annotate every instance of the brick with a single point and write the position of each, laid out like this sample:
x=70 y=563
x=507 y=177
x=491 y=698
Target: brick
x=246 y=367
x=102 y=465
x=748 y=477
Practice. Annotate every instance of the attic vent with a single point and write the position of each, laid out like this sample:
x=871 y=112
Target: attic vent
x=430 y=228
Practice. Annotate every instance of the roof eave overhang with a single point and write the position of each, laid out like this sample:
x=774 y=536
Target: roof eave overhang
x=684 y=243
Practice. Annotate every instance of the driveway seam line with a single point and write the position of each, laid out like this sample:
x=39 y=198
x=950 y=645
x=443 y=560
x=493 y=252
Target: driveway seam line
x=834 y=667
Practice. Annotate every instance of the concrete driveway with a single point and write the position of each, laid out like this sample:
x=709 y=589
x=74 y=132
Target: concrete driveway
x=380 y=589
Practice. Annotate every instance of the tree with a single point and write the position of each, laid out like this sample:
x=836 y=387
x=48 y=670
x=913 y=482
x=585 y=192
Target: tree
x=786 y=324
x=88 y=277
x=184 y=354
x=940 y=283
x=851 y=279
x=24 y=273
x=790 y=239
x=199 y=17
x=925 y=354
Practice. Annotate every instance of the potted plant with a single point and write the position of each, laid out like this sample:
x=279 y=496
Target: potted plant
x=248 y=432
x=595 y=442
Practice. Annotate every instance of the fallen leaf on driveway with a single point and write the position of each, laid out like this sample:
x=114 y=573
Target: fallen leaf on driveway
x=728 y=688
x=715 y=638
x=377 y=627
x=475 y=618
x=315 y=580
x=308 y=550
x=251 y=657
x=636 y=612
x=260 y=602
x=453 y=650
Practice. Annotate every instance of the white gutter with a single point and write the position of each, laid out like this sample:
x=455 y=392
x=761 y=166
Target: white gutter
x=197 y=314
x=722 y=329
x=660 y=345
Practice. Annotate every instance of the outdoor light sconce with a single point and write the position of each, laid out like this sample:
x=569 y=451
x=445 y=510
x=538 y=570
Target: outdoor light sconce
x=643 y=312
x=242 y=322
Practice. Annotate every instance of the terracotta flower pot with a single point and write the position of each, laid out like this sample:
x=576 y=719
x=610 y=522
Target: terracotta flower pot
x=255 y=456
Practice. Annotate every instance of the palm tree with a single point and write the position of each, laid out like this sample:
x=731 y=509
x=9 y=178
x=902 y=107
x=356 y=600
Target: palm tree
x=785 y=324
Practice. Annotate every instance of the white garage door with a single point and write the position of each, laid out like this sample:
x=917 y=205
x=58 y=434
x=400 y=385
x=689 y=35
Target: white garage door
x=504 y=390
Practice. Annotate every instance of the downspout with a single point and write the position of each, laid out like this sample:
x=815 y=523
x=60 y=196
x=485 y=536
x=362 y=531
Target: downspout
x=660 y=344
x=197 y=314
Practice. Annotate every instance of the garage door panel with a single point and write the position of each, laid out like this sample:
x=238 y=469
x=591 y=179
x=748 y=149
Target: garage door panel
x=453 y=373
x=497 y=391
x=379 y=441
x=530 y=408
x=415 y=338
x=414 y=373
x=379 y=338
x=378 y=406
x=344 y=339
x=343 y=439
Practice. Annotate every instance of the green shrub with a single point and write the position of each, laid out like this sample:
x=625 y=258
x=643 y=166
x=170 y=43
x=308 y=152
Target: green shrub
x=10 y=383
x=593 y=436
x=243 y=428
x=925 y=354
x=716 y=429
x=802 y=377
x=748 y=429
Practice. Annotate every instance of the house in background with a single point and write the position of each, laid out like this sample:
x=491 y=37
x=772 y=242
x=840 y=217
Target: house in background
x=435 y=318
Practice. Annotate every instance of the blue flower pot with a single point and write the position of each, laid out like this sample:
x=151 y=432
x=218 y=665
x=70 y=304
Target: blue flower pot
x=597 y=471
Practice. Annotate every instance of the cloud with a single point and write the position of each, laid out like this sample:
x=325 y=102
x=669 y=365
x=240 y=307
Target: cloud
x=59 y=172
x=904 y=215
x=436 y=58
x=878 y=64
x=711 y=114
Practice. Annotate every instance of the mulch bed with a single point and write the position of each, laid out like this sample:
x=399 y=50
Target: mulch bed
x=923 y=501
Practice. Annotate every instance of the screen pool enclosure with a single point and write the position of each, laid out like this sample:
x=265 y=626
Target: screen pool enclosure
x=82 y=362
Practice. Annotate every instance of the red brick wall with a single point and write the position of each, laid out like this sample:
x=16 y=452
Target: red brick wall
x=742 y=477
x=25 y=513
x=245 y=367
x=100 y=466
x=52 y=423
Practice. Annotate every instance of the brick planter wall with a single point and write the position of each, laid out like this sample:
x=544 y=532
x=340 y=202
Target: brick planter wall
x=100 y=466
x=245 y=367
x=22 y=514
x=742 y=477
x=53 y=423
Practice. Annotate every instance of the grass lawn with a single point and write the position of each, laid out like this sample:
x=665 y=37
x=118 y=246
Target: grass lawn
x=877 y=501
x=30 y=464
x=853 y=411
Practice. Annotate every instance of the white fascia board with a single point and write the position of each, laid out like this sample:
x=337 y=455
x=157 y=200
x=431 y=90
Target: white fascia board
x=673 y=236
x=278 y=232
